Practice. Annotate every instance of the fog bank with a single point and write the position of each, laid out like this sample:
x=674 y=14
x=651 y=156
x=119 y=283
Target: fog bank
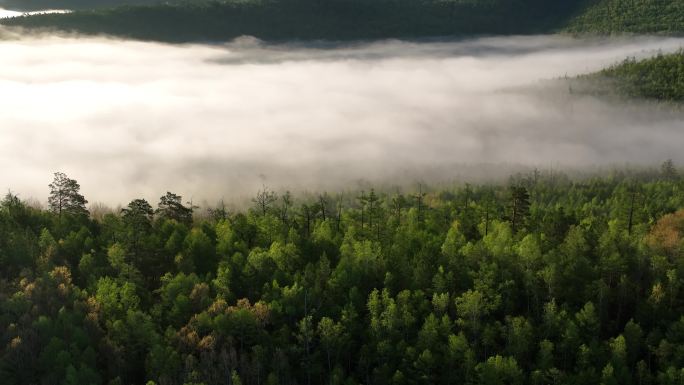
x=4 y=13
x=130 y=119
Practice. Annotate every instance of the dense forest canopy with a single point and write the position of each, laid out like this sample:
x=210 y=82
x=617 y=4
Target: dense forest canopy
x=635 y=16
x=365 y=19
x=311 y=19
x=543 y=280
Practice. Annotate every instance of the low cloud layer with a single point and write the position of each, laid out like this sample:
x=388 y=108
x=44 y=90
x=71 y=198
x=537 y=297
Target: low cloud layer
x=130 y=119
x=5 y=13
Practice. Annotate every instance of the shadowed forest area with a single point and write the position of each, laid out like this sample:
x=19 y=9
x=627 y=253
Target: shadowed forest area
x=37 y=5
x=358 y=19
x=545 y=279
x=309 y=19
x=548 y=278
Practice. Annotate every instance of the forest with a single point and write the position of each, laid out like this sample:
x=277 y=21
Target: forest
x=544 y=279
x=214 y=20
x=37 y=5
x=633 y=16
x=659 y=78
x=308 y=19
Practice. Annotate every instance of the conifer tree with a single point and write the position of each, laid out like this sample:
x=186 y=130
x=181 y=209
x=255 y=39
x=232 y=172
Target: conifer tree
x=65 y=197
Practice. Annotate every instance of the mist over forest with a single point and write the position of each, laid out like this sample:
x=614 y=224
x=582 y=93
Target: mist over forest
x=223 y=119
x=338 y=192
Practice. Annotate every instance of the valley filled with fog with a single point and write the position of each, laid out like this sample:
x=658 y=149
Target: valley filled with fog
x=222 y=192
x=126 y=117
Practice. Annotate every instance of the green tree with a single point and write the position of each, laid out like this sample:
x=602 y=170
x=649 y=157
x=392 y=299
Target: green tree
x=171 y=207
x=65 y=197
x=519 y=208
x=138 y=214
x=333 y=337
x=668 y=170
x=500 y=370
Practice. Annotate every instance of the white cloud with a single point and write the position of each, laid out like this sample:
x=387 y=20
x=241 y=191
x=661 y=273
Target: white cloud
x=129 y=119
x=5 y=13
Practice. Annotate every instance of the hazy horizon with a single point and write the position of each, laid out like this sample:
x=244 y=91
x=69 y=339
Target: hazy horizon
x=130 y=119
x=5 y=13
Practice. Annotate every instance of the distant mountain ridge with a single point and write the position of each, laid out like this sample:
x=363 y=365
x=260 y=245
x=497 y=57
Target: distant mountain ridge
x=36 y=5
x=201 y=20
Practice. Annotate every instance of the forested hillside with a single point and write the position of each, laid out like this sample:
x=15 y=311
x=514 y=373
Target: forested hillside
x=637 y=16
x=658 y=78
x=542 y=280
x=314 y=19
x=363 y=19
x=35 y=5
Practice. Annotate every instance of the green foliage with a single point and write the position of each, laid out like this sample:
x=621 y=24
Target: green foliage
x=171 y=207
x=659 y=78
x=65 y=198
x=439 y=289
x=636 y=16
x=500 y=370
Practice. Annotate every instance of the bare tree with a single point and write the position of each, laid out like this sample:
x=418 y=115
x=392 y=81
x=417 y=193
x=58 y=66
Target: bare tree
x=286 y=200
x=264 y=199
x=419 y=200
x=363 y=201
x=519 y=207
x=219 y=212
x=323 y=205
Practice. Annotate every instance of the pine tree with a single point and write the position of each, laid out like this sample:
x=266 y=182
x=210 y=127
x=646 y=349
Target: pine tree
x=520 y=207
x=65 y=197
x=668 y=170
x=171 y=207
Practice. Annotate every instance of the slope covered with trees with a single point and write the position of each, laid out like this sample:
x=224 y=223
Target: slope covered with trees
x=636 y=16
x=544 y=280
x=659 y=78
x=313 y=19
x=36 y=5
x=202 y=20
